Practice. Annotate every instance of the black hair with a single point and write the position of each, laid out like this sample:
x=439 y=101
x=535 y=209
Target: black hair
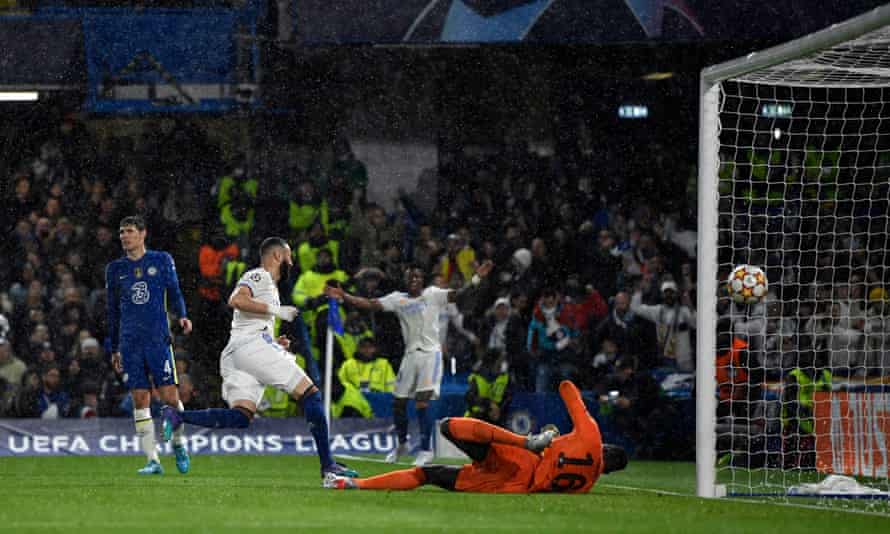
x=271 y=243
x=133 y=220
x=49 y=366
x=414 y=266
x=614 y=458
x=548 y=292
x=366 y=340
x=410 y=268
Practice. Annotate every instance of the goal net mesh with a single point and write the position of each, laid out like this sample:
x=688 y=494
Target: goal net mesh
x=803 y=378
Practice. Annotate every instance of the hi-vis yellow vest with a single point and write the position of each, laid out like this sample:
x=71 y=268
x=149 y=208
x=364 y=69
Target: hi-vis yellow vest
x=357 y=376
x=492 y=391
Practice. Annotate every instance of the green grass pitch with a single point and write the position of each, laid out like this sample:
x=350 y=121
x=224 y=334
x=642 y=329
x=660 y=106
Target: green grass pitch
x=254 y=493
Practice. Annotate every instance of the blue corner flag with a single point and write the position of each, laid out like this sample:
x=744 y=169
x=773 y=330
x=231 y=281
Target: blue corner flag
x=334 y=316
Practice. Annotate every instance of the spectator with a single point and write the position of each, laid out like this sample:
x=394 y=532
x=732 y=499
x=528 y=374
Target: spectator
x=306 y=209
x=26 y=402
x=630 y=399
x=87 y=405
x=391 y=260
x=45 y=354
x=798 y=413
x=366 y=372
x=426 y=249
x=12 y=369
x=542 y=272
x=502 y=331
x=317 y=240
x=673 y=321
x=371 y=283
x=236 y=196
x=549 y=342
x=23 y=201
x=828 y=331
x=583 y=305
x=519 y=306
x=370 y=229
x=354 y=330
x=488 y=395
x=605 y=360
x=623 y=327
x=101 y=251
x=92 y=363
x=517 y=277
x=308 y=293
x=212 y=258
x=458 y=261
x=604 y=264
x=53 y=401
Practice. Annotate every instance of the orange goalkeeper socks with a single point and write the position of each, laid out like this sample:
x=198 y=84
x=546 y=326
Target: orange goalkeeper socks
x=406 y=479
x=476 y=431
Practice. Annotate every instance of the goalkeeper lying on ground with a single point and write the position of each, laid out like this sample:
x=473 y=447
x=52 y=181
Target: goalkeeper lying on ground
x=504 y=462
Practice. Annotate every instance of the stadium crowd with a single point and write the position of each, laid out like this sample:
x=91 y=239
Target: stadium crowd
x=588 y=285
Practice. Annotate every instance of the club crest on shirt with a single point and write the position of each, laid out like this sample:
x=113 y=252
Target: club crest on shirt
x=256 y=277
x=137 y=272
x=152 y=271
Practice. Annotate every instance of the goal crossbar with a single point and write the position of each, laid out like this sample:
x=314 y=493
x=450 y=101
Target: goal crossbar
x=804 y=46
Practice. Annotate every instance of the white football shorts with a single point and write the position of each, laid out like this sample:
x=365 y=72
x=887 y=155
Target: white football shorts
x=250 y=363
x=419 y=372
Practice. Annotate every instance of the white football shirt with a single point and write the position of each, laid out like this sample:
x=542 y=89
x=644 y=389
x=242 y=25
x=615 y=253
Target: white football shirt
x=265 y=290
x=419 y=317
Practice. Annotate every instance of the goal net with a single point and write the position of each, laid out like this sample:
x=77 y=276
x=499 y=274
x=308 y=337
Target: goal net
x=794 y=177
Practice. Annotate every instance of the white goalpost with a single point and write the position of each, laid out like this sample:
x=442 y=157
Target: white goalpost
x=793 y=393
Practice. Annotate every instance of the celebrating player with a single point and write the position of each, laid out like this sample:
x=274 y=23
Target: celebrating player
x=504 y=462
x=253 y=359
x=138 y=286
x=420 y=374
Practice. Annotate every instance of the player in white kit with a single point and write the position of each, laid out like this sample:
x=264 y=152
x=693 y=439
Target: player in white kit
x=420 y=374
x=253 y=359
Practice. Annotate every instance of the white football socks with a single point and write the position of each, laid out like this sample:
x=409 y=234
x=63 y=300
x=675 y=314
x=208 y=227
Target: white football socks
x=145 y=429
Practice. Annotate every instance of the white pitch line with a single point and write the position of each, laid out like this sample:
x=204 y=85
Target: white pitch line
x=672 y=493
x=747 y=501
x=368 y=459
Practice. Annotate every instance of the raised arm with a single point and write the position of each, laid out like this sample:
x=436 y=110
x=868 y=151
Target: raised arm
x=645 y=311
x=352 y=300
x=473 y=287
x=571 y=396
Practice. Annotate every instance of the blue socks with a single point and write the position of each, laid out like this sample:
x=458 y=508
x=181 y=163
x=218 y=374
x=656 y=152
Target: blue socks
x=400 y=419
x=425 y=420
x=318 y=425
x=216 y=418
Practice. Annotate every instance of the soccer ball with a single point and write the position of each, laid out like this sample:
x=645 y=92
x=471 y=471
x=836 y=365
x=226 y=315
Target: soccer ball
x=747 y=284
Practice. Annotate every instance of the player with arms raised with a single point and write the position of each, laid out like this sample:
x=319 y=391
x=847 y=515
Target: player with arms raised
x=253 y=359
x=138 y=287
x=420 y=374
x=504 y=462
